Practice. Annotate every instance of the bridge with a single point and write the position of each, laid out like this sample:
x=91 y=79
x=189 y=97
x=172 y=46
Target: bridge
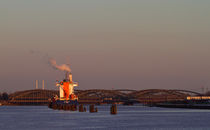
x=32 y=97
x=100 y=96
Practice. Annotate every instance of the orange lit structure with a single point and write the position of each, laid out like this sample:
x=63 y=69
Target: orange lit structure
x=66 y=89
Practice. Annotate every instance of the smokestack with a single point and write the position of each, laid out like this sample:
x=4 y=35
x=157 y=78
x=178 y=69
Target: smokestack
x=67 y=77
x=36 y=84
x=43 y=84
x=70 y=77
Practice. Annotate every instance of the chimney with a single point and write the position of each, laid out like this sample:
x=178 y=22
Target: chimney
x=36 y=84
x=67 y=77
x=70 y=77
x=43 y=84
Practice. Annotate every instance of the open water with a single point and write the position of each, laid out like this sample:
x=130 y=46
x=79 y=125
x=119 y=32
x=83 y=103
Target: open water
x=128 y=117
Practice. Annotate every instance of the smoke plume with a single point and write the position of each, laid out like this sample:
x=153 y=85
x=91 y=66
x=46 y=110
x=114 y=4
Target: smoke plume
x=63 y=67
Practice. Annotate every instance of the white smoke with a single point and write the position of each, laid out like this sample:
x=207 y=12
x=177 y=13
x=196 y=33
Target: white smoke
x=63 y=67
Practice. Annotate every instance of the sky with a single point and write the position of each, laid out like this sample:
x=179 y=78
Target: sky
x=109 y=44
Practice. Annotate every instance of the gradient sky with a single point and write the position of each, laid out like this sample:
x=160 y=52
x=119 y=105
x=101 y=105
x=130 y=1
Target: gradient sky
x=133 y=44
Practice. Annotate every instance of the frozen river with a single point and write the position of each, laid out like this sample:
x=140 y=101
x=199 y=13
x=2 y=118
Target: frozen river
x=128 y=117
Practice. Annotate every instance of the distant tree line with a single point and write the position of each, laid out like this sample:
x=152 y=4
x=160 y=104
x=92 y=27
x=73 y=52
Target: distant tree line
x=4 y=96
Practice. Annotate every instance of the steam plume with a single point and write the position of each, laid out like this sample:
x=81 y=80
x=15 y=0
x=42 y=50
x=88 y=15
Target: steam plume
x=63 y=67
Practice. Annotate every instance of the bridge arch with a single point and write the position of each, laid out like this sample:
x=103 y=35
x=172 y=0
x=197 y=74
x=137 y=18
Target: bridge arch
x=32 y=97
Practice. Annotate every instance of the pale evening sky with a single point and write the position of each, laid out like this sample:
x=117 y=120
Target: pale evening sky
x=132 y=44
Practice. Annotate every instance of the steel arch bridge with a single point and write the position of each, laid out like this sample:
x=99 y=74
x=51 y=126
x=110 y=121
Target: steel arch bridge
x=98 y=96
x=192 y=93
x=41 y=97
x=100 y=93
x=161 y=95
x=32 y=97
x=169 y=92
x=133 y=93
